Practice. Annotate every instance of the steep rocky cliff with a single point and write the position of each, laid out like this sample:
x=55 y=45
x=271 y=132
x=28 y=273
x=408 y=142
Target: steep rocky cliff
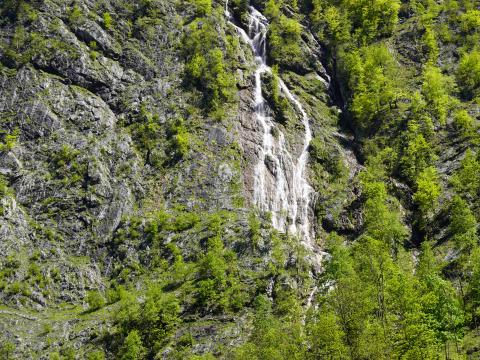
x=93 y=110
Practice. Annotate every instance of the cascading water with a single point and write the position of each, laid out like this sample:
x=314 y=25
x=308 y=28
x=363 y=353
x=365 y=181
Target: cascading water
x=280 y=181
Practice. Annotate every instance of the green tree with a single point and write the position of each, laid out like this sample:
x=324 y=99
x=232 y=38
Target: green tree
x=439 y=299
x=272 y=338
x=465 y=180
x=464 y=123
x=428 y=191
x=468 y=73
x=373 y=75
x=218 y=288
x=472 y=292
x=437 y=88
x=373 y=19
x=325 y=336
x=284 y=41
x=202 y=7
x=206 y=69
x=132 y=348
x=463 y=226
x=417 y=155
x=95 y=300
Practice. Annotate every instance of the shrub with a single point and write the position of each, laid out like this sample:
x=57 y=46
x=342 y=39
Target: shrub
x=437 y=88
x=202 y=7
x=184 y=221
x=470 y=21
x=7 y=350
x=428 y=190
x=95 y=300
x=468 y=74
x=9 y=140
x=430 y=41
x=96 y=355
x=284 y=41
x=466 y=181
x=75 y=16
x=66 y=165
x=464 y=123
x=463 y=225
x=107 y=21
x=132 y=348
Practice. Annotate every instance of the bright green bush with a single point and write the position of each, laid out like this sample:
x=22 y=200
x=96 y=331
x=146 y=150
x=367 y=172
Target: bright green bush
x=470 y=21
x=96 y=355
x=284 y=41
x=465 y=180
x=468 y=74
x=132 y=348
x=75 y=15
x=464 y=123
x=463 y=225
x=202 y=7
x=107 y=21
x=95 y=300
x=418 y=154
x=428 y=191
x=437 y=89
x=431 y=44
x=206 y=68
x=372 y=74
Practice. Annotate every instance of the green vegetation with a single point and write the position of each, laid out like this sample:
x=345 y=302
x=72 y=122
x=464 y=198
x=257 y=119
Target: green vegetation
x=468 y=73
x=95 y=300
x=157 y=259
x=67 y=166
x=107 y=21
x=206 y=68
x=9 y=140
x=283 y=37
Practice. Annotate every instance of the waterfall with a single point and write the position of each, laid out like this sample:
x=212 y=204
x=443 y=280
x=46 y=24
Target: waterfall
x=280 y=179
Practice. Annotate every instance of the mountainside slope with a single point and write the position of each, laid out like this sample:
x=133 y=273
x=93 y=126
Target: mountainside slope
x=252 y=180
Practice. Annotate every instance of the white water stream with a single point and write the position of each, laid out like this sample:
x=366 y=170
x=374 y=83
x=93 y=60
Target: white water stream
x=280 y=179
